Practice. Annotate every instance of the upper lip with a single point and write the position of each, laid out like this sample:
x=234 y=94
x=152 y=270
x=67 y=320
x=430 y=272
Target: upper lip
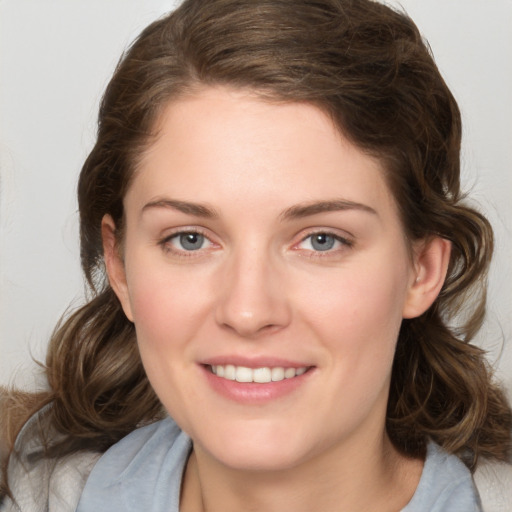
x=254 y=362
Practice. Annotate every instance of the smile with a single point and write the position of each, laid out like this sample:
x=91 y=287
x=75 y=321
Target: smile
x=260 y=375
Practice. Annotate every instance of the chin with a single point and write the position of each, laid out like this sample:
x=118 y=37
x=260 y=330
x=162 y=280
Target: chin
x=257 y=449
x=258 y=460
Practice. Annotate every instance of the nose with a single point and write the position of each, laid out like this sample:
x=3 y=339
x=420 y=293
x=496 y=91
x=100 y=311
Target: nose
x=252 y=296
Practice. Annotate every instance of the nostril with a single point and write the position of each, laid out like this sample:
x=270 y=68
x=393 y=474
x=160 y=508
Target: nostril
x=251 y=303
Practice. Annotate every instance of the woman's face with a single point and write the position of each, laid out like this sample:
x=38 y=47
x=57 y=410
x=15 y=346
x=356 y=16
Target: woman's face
x=262 y=246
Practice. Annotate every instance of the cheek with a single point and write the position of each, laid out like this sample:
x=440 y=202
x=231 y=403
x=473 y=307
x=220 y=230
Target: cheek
x=359 y=328
x=164 y=302
x=166 y=316
x=357 y=317
x=166 y=308
x=362 y=299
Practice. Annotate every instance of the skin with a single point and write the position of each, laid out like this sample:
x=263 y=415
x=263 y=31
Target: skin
x=259 y=287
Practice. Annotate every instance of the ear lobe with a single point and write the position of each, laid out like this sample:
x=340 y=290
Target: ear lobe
x=431 y=259
x=114 y=264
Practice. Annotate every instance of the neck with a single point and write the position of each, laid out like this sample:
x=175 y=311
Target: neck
x=376 y=477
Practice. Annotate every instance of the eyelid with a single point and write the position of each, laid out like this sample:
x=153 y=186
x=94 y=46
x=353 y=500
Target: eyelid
x=346 y=240
x=164 y=241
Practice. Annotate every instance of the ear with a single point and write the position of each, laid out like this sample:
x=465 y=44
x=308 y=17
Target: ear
x=431 y=259
x=114 y=264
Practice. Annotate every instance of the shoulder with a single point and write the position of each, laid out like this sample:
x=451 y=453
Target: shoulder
x=134 y=474
x=50 y=485
x=39 y=483
x=123 y=459
x=16 y=408
x=446 y=485
x=494 y=482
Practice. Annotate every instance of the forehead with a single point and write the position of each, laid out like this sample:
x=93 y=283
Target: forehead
x=221 y=143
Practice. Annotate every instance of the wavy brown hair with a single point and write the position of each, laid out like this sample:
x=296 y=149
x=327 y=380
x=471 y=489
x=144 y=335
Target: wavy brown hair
x=367 y=67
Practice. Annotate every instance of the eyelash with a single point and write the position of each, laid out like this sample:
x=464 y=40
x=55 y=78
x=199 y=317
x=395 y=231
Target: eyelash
x=166 y=243
x=344 y=242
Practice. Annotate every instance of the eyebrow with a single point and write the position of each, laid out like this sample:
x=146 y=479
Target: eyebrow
x=294 y=212
x=195 y=209
x=316 y=207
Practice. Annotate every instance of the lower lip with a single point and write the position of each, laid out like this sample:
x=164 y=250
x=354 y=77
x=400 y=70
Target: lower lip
x=253 y=393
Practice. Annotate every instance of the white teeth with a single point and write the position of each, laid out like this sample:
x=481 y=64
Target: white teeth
x=277 y=374
x=260 y=375
x=229 y=372
x=243 y=374
x=289 y=373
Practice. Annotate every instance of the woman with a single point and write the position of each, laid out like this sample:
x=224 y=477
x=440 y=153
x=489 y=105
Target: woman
x=273 y=233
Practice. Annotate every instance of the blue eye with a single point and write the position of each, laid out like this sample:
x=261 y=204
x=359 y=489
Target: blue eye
x=323 y=242
x=190 y=241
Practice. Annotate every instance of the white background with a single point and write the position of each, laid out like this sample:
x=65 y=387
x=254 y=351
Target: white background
x=56 y=57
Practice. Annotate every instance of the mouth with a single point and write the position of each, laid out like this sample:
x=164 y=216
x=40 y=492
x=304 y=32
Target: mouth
x=262 y=375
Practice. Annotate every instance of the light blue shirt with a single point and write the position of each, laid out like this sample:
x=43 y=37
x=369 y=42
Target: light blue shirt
x=143 y=472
